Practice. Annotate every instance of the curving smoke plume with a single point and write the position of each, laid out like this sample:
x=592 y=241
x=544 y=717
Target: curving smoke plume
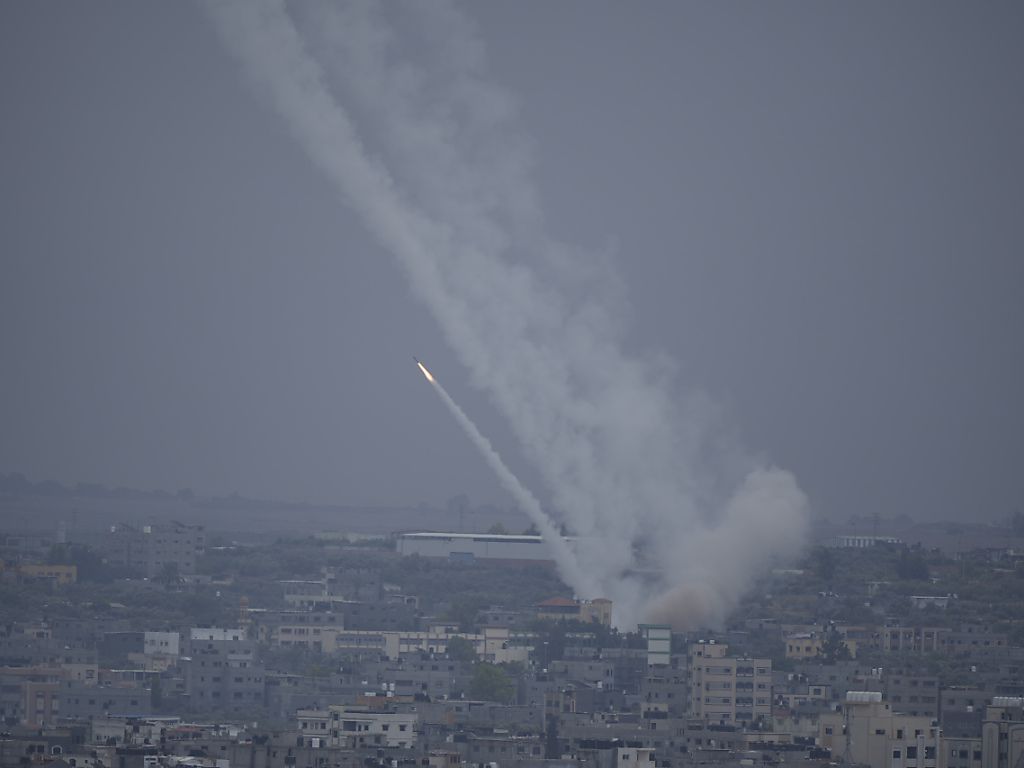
x=671 y=525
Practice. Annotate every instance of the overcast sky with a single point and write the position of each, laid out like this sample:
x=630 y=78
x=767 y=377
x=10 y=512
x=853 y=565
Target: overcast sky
x=817 y=210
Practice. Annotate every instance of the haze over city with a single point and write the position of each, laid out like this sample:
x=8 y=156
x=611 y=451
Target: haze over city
x=806 y=217
x=511 y=385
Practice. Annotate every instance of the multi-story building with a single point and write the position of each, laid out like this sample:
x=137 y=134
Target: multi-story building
x=665 y=691
x=1002 y=733
x=355 y=727
x=597 y=611
x=659 y=644
x=315 y=630
x=961 y=710
x=910 y=693
x=869 y=732
x=28 y=695
x=79 y=664
x=222 y=671
x=899 y=639
x=161 y=644
x=976 y=641
x=726 y=690
x=58 y=574
x=83 y=702
x=156 y=550
x=803 y=645
x=495 y=644
x=961 y=751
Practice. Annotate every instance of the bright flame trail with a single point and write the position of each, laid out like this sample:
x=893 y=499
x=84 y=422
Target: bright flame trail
x=568 y=568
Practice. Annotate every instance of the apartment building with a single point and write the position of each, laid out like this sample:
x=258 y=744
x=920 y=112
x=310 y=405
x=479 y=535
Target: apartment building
x=727 y=690
x=157 y=549
x=222 y=671
x=869 y=732
x=910 y=693
x=1002 y=733
x=355 y=727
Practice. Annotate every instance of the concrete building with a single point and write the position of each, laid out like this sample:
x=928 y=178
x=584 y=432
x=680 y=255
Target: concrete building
x=79 y=701
x=597 y=611
x=157 y=549
x=868 y=732
x=58 y=574
x=803 y=645
x=222 y=672
x=961 y=752
x=976 y=641
x=1002 y=733
x=659 y=644
x=161 y=643
x=666 y=692
x=725 y=690
x=355 y=727
x=910 y=693
x=899 y=639
x=79 y=664
x=494 y=644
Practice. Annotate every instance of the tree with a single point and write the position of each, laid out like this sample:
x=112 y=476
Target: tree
x=461 y=649
x=169 y=575
x=533 y=530
x=491 y=683
x=552 y=747
x=911 y=566
x=833 y=648
x=498 y=530
x=825 y=564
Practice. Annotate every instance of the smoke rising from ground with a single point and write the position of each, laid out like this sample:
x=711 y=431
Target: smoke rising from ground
x=672 y=522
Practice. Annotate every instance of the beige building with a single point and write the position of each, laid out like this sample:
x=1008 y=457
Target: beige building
x=596 y=611
x=59 y=574
x=726 y=690
x=1002 y=733
x=803 y=645
x=868 y=732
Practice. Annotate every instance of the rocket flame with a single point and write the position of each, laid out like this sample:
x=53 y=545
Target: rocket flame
x=426 y=373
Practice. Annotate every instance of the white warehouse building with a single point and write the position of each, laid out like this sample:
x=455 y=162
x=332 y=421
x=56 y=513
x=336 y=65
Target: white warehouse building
x=467 y=547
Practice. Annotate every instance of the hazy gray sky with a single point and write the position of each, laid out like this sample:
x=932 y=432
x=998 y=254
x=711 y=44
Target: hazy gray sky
x=816 y=209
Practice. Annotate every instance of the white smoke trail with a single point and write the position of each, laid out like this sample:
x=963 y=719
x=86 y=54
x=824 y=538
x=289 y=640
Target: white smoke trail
x=564 y=558
x=448 y=191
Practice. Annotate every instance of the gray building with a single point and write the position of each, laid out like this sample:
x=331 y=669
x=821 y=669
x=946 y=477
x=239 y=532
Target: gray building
x=222 y=673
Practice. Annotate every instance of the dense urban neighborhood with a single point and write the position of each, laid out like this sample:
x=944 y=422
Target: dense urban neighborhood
x=164 y=643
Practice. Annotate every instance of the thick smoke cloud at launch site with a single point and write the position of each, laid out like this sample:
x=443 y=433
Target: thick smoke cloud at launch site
x=428 y=153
